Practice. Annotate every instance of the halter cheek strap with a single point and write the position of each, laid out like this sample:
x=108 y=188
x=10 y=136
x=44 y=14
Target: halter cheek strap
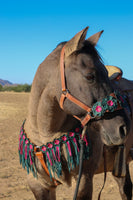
x=66 y=94
x=77 y=102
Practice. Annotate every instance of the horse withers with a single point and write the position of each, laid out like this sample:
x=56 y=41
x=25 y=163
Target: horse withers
x=71 y=89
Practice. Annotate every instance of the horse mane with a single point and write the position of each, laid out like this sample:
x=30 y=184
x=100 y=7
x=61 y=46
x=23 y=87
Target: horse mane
x=87 y=47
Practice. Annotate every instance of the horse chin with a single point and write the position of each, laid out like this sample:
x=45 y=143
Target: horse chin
x=108 y=142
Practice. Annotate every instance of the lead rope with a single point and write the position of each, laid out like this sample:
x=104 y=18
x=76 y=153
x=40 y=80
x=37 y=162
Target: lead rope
x=105 y=170
x=80 y=162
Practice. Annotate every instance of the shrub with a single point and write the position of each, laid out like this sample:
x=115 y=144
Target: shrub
x=18 y=88
x=1 y=87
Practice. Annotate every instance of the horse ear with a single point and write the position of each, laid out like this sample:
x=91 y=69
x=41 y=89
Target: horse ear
x=75 y=43
x=94 y=38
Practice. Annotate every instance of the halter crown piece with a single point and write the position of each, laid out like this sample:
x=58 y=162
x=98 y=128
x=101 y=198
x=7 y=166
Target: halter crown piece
x=113 y=102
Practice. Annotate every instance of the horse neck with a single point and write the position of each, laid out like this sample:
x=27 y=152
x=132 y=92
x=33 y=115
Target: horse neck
x=46 y=120
x=49 y=121
x=60 y=121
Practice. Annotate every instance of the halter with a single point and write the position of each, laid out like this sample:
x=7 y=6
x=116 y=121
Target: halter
x=108 y=104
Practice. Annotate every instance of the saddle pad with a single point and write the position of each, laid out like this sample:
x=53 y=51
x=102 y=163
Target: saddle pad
x=113 y=72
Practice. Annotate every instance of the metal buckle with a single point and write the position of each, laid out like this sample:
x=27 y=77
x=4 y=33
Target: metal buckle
x=91 y=114
x=65 y=91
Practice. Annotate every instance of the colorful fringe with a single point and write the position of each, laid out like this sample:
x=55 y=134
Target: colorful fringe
x=52 y=152
x=26 y=153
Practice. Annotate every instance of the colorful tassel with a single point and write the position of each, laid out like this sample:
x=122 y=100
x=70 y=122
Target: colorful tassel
x=52 y=152
x=58 y=154
x=76 y=148
x=26 y=154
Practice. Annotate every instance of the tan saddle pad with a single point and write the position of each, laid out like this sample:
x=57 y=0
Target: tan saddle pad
x=114 y=72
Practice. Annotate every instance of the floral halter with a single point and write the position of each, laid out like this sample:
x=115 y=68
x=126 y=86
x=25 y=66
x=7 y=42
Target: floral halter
x=109 y=104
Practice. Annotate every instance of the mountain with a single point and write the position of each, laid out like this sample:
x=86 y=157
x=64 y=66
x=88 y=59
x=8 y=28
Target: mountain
x=5 y=82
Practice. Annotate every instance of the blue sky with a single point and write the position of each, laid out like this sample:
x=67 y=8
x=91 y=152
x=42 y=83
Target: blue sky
x=30 y=30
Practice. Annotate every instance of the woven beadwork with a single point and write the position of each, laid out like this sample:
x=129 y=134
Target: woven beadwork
x=109 y=104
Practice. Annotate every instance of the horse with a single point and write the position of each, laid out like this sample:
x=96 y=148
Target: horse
x=126 y=86
x=124 y=181
x=71 y=90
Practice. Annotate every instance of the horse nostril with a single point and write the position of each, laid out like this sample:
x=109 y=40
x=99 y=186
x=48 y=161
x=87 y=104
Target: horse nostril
x=122 y=131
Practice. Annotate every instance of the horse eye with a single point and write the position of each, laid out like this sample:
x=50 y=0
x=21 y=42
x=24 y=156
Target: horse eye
x=90 y=77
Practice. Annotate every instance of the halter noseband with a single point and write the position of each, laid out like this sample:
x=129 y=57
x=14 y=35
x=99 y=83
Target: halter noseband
x=112 y=98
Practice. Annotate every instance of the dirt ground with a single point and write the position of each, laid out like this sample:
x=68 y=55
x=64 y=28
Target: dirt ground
x=13 y=185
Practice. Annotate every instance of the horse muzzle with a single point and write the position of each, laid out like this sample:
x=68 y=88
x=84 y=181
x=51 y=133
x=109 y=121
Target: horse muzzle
x=115 y=131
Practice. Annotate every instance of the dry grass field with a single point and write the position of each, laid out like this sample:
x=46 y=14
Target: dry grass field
x=13 y=185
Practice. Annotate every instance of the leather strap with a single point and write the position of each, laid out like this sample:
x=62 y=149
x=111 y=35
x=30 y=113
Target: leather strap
x=40 y=157
x=74 y=100
x=86 y=119
x=62 y=69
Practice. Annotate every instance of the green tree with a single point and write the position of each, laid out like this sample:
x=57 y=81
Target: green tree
x=1 y=87
x=27 y=88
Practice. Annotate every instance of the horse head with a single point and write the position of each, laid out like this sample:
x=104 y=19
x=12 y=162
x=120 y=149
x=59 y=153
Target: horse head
x=85 y=79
